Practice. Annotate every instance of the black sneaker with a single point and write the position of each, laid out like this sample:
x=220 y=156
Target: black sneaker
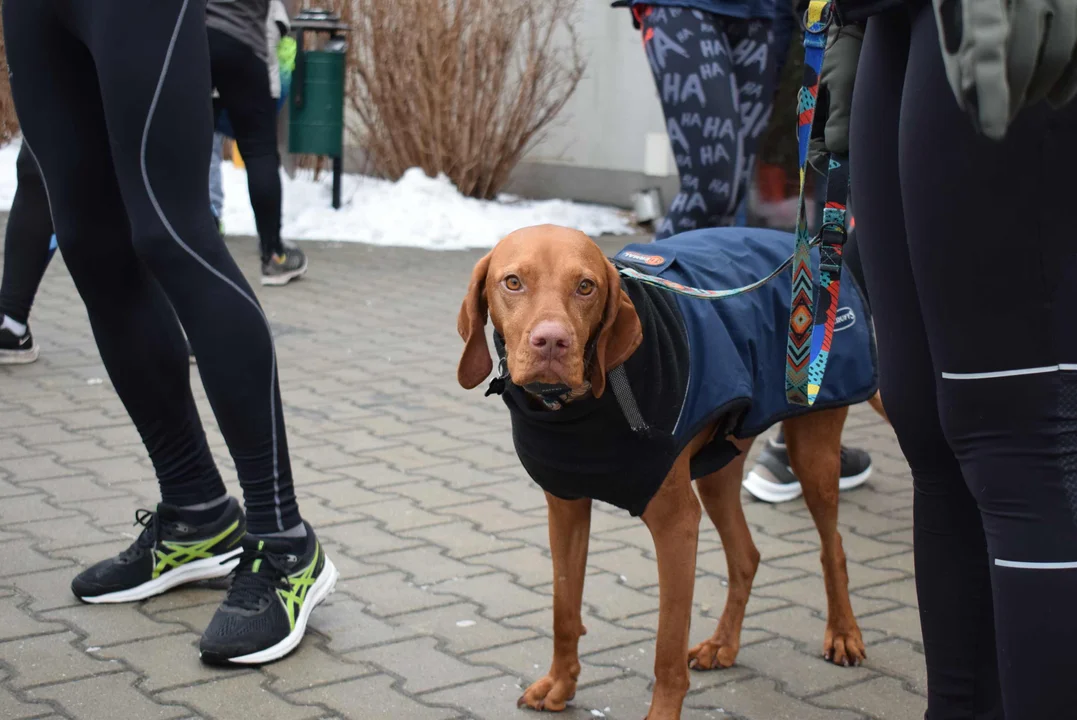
x=15 y=349
x=168 y=552
x=278 y=583
x=773 y=481
x=281 y=269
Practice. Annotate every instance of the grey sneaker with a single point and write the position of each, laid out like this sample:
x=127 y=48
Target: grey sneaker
x=281 y=269
x=773 y=481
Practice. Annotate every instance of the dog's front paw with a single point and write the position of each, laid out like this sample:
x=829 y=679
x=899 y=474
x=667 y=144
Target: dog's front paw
x=844 y=647
x=712 y=654
x=550 y=693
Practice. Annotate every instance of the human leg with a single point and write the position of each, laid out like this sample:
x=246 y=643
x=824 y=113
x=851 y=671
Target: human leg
x=130 y=110
x=1008 y=405
x=159 y=127
x=714 y=78
x=58 y=101
x=131 y=318
x=28 y=247
x=242 y=81
x=952 y=579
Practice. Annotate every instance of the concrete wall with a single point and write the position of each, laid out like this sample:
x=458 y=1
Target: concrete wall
x=610 y=139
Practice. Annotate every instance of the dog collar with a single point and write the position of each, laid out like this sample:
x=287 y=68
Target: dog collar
x=553 y=396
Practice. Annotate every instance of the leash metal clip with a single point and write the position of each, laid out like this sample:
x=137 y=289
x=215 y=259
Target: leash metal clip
x=497 y=385
x=836 y=228
x=826 y=19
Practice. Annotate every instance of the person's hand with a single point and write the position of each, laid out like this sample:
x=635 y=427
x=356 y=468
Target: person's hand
x=1002 y=55
x=833 y=105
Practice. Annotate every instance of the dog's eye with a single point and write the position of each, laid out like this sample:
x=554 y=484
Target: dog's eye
x=513 y=283
x=586 y=287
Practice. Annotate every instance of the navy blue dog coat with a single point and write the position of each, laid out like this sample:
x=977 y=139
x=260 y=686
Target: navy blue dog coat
x=701 y=361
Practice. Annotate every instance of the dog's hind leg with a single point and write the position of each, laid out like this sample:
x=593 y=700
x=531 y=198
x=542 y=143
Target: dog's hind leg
x=814 y=443
x=570 y=530
x=876 y=402
x=720 y=493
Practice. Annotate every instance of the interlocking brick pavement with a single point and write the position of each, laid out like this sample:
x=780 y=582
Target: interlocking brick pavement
x=443 y=607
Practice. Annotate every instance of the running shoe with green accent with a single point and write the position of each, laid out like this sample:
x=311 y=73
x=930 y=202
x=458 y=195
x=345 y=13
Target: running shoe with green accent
x=168 y=552
x=278 y=583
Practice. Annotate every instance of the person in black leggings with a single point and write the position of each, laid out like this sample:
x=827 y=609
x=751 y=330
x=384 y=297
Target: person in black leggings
x=28 y=247
x=29 y=244
x=970 y=254
x=238 y=63
x=114 y=100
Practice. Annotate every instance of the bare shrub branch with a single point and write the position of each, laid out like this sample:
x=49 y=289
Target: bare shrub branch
x=460 y=87
x=9 y=123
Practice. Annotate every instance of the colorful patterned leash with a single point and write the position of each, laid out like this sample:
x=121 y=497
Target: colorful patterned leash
x=805 y=357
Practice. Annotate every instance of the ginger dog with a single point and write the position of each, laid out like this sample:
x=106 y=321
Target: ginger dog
x=586 y=362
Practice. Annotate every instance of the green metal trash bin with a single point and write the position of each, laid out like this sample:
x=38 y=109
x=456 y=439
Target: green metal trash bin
x=316 y=127
x=316 y=114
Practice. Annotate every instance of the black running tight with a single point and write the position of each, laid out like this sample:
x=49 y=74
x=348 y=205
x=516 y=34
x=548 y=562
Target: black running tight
x=27 y=240
x=971 y=256
x=242 y=80
x=114 y=100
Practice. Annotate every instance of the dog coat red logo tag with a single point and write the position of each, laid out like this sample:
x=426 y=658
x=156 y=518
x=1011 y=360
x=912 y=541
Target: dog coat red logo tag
x=652 y=260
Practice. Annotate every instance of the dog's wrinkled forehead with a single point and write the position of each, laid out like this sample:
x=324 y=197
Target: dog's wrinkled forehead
x=549 y=249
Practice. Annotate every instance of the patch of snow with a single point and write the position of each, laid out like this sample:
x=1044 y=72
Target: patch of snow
x=416 y=211
x=8 y=179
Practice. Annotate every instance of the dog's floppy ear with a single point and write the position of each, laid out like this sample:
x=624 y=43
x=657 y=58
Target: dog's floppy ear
x=620 y=334
x=475 y=363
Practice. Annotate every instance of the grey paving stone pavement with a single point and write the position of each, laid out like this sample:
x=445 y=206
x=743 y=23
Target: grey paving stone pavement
x=443 y=607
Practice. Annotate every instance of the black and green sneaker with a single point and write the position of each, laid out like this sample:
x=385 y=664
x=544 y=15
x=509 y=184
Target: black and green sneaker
x=168 y=552
x=277 y=584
